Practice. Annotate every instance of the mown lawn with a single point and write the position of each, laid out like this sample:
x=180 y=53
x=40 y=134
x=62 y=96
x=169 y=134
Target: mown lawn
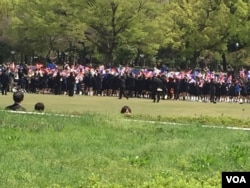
x=112 y=106
x=109 y=150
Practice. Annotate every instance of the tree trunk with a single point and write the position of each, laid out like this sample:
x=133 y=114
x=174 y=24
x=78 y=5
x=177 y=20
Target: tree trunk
x=109 y=58
x=224 y=62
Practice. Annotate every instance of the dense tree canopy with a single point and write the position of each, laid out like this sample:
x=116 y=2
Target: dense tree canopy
x=118 y=32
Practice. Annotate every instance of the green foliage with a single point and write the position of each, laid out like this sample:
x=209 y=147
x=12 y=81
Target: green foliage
x=44 y=26
x=4 y=52
x=125 y=54
x=115 y=24
x=188 y=28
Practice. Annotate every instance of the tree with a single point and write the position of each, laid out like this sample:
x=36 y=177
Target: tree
x=114 y=23
x=6 y=9
x=44 y=26
x=116 y=31
x=198 y=26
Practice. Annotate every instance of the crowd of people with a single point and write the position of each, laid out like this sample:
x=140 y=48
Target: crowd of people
x=123 y=81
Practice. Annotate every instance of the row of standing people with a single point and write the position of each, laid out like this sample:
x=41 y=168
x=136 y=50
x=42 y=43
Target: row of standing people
x=156 y=87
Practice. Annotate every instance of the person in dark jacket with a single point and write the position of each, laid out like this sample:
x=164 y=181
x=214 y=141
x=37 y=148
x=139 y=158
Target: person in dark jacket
x=4 y=78
x=97 y=84
x=57 y=83
x=71 y=84
x=156 y=88
x=130 y=83
x=18 y=98
x=122 y=87
x=212 y=91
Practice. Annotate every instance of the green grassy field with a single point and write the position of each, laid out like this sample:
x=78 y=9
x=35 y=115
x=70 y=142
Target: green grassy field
x=102 y=148
x=112 y=106
x=112 y=151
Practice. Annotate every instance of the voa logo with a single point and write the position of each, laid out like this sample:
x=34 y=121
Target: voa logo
x=236 y=179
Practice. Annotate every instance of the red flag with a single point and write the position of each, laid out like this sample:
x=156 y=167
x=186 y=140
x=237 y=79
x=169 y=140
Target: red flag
x=39 y=66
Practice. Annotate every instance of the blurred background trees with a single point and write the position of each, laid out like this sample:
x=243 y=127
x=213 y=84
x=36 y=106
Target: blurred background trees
x=180 y=33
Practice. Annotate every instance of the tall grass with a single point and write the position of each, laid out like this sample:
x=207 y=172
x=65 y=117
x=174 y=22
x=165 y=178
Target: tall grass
x=97 y=150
